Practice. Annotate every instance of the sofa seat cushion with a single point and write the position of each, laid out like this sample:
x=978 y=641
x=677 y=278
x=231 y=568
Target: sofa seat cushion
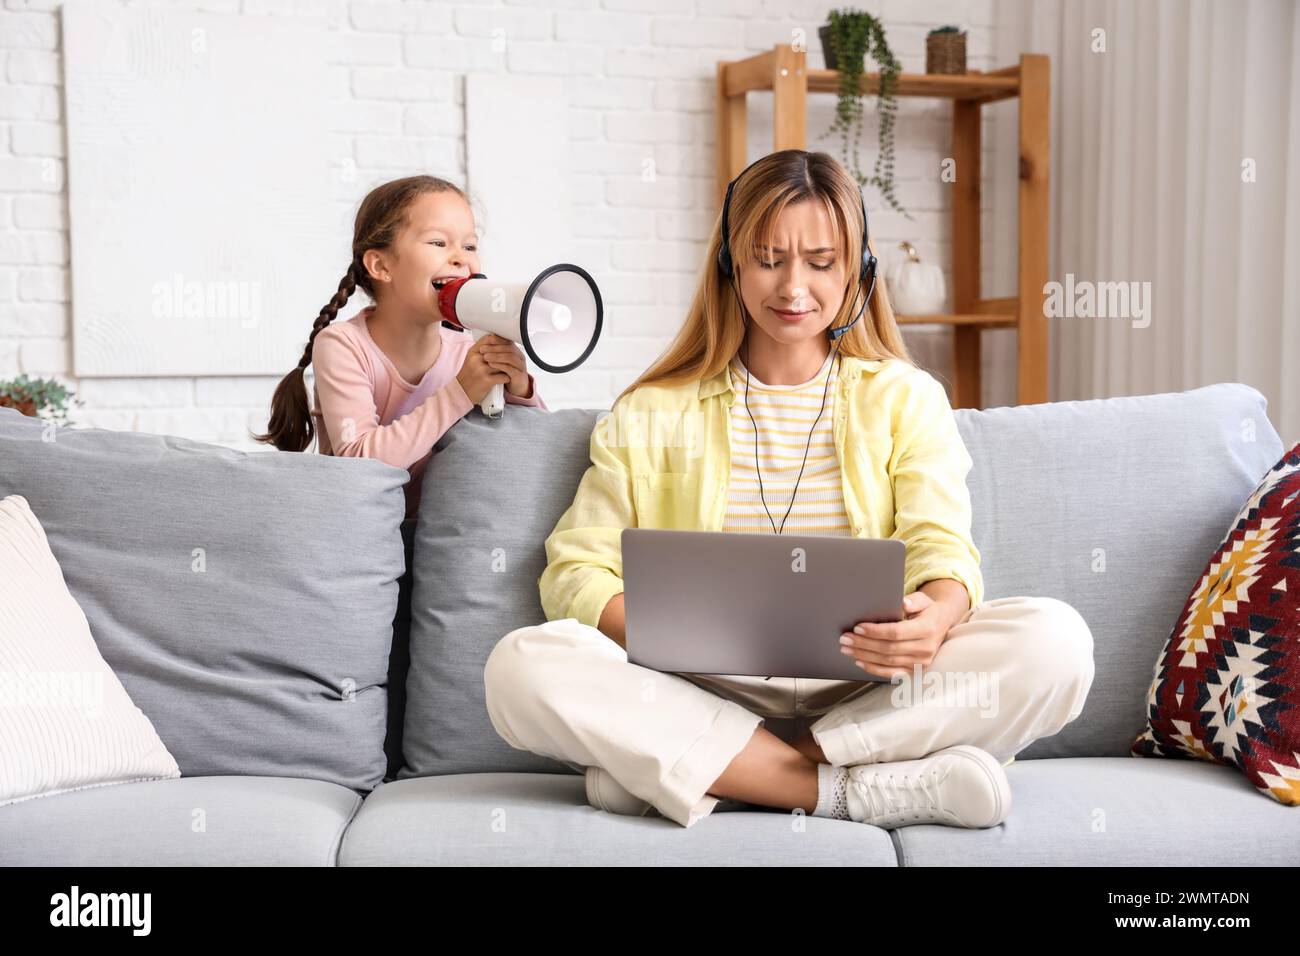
x=544 y=819
x=191 y=821
x=1119 y=811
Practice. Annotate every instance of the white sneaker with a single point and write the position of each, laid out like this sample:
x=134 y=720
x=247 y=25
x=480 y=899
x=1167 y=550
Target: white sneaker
x=961 y=786
x=606 y=793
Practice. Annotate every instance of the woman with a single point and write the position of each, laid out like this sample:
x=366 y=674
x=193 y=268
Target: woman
x=730 y=422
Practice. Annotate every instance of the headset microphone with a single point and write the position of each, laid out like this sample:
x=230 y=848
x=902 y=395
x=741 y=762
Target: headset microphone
x=835 y=334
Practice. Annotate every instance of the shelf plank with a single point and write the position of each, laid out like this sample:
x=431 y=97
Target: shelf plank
x=730 y=120
x=985 y=320
x=757 y=72
x=1032 y=210
x=965 y=249
x=966 y=86
x=751 y=73
x=790 y=100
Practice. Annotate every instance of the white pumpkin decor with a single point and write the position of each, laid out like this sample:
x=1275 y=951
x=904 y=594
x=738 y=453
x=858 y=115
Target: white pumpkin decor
x=915 y=287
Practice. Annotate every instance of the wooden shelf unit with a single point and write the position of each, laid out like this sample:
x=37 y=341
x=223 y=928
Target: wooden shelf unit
x=783 y=70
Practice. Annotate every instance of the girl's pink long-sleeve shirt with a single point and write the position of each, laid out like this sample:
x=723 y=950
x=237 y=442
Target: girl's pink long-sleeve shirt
x=362 y=407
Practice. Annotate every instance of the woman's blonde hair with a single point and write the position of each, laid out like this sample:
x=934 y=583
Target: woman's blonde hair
x=715 y=324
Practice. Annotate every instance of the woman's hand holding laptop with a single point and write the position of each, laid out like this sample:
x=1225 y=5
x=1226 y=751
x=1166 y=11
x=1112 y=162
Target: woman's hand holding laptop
x=896 y=647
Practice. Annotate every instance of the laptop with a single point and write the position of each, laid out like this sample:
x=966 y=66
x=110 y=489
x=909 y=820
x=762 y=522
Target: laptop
x=771 y=605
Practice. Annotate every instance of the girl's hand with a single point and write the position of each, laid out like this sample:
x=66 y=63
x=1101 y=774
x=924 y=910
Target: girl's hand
x=894 y=648
x=503 y=355
x=477 y=377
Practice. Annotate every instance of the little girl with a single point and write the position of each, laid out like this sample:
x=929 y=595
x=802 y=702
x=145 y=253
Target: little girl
x=391 y=380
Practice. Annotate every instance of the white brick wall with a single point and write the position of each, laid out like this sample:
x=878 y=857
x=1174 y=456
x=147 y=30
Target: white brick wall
x=639 y=74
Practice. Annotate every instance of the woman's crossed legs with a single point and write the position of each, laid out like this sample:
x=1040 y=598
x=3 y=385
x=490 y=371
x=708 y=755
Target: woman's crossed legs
x=1011 y=671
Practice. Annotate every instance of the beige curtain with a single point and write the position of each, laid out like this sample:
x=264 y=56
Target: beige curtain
x=1151 y=142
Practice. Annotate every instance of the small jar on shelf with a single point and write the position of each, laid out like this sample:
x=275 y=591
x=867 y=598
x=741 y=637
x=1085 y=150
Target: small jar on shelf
x=945 y=51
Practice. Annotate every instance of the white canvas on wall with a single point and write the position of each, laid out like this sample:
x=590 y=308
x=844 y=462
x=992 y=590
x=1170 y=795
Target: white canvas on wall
x=516 y=159
x=517 y=172
x=203 y=237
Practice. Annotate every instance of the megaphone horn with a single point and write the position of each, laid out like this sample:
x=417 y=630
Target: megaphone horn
x=556 y=318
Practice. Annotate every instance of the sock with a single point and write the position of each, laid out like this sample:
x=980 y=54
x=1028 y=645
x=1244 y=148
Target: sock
x=832 y=784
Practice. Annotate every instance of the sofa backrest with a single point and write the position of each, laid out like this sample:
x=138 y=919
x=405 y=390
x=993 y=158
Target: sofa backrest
x=246 y=601
x=1112 y=505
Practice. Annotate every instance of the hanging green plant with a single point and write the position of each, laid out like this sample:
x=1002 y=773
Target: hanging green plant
x=38 y=398
x=855 y=34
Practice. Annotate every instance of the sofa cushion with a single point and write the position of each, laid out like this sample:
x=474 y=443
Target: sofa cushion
x=492 y=493
x=192 y=821
x=1227 y=683
x=1118 y=811
x=544 y=819
x=245 y=601
x=1111 y=505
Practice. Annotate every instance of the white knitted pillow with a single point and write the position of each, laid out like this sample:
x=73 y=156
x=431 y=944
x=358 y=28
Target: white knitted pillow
x=66 y=722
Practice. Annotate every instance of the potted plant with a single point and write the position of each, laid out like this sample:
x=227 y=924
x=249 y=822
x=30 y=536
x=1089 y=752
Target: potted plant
x=846 y=41
x=38 y=398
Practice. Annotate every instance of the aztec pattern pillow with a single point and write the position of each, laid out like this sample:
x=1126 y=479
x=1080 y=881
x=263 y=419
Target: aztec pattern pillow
x=1227 y=685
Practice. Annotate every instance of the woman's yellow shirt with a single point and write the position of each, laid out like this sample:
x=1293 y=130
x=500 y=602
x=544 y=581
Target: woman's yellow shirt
x=662 y=459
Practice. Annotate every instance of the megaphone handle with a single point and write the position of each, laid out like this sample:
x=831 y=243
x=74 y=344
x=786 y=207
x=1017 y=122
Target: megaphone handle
x=495 y=401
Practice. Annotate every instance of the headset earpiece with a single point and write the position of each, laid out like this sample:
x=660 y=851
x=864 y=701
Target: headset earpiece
x=724 y=247
x=868 y=272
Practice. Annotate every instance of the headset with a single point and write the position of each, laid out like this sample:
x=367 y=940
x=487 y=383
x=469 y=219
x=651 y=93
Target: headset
x=866 y=278
x=866 y=273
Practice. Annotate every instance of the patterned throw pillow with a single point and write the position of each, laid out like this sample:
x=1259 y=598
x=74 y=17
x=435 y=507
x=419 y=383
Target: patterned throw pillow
x=1227 y=685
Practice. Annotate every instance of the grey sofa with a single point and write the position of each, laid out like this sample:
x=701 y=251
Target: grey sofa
x=268 y=673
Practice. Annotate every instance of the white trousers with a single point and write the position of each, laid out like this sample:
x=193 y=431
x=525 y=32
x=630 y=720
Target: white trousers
x=1012 y=670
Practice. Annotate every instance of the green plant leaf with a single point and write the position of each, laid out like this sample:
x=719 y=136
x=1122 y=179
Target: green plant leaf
x=854 y=35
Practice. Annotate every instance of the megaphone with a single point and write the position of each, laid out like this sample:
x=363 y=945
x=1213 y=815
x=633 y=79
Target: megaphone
x=556 y=318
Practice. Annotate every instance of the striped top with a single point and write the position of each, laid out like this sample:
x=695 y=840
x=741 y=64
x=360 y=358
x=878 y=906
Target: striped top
x=784 y=415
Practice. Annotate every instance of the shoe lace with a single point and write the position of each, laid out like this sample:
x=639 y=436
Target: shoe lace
x=908 y=794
